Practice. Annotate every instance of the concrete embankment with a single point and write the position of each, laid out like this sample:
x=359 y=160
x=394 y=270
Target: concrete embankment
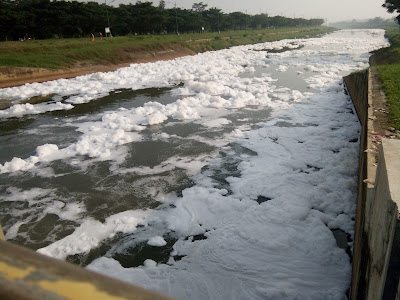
x=377 y=234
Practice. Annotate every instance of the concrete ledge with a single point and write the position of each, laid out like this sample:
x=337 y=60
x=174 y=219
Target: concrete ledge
x=25 y=274
x=377 y=228
x=2 y=234
x=391 y=154
x=382 y=218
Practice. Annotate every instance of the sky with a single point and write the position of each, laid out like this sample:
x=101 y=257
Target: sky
x=333 y=10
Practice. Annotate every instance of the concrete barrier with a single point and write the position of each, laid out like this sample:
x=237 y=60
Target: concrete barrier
x=382 y=219
x=388 y=190
x=2 y=234
x=25 y=274
x=377 y=217
x=357 y=87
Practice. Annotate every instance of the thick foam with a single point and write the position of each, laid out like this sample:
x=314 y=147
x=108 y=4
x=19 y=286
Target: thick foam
x=257 y=221
x=92 y=232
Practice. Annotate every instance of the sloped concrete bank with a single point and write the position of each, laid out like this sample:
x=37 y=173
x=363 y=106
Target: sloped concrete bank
x=376 y=243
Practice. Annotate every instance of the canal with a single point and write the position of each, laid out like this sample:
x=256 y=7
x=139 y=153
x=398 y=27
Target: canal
x=226 y=175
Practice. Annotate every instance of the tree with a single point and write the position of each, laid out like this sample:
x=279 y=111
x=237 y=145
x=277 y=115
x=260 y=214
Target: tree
x=259 y=21
x=238 y=20
x=213 y=19
x=42 y=19
x=393 y=6
x=199 y=7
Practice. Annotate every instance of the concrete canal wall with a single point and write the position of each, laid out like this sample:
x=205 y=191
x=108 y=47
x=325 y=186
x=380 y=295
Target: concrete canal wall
x=27 y=275
x=377 y=235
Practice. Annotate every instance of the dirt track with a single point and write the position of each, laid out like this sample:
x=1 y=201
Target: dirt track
x=14 y=76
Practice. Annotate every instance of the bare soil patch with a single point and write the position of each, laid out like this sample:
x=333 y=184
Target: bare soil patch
x=14 y=76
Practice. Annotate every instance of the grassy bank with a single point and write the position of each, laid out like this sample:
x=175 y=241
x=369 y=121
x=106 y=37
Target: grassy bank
x=387 y=62
x=66 y=53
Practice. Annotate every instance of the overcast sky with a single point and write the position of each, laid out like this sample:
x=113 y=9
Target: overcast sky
x=333 y=10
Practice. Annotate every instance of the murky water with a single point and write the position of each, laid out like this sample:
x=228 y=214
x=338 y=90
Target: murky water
x=98 y=187
x=101 y=190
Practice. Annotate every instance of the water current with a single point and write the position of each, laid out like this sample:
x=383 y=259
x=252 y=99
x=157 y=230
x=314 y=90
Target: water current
x=225 y=175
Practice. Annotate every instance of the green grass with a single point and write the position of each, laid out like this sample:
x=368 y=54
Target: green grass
x=389 y=76
x=64 y=53
x=387 y=62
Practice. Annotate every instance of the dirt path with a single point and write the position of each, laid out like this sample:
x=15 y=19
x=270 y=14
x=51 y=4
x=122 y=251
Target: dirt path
x=14 y=76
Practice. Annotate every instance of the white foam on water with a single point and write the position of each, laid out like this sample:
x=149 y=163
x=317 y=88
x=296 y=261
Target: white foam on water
x=269 y=235
x=217 y=123
x=282 y=68
x=67 y=211
x=92 y=232
x=38 y=203
x=15 y=194
x=211 y=67
x=157 y=241
x=252 y=248
x=99 y=141
x=19 y=110
x=283 y=247
x=192 y=165
x=12 y=232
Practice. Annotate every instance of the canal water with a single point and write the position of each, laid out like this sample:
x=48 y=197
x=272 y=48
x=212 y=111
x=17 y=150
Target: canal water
x=225 y=175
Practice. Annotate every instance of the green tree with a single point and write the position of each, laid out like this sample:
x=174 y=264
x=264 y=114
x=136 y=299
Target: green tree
x=393 y=6
x=238 y=20
x=199 y=7
x=43 y=19
x=7 y=17
x=259 y=21
x=213 y=19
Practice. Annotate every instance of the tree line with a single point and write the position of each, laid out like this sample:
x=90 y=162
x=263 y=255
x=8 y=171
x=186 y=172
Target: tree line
x=365 y=24
x=42 y=19
x=393 y=6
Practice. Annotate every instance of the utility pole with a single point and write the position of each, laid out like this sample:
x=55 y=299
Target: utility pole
x=218 y=22
x=108 y=29
x=176 y=19
x=247 y=20
x=108 y=19
x=176 y=16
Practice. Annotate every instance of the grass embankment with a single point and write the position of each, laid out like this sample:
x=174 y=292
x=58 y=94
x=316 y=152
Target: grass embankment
x=67 y=53
x=387 y=62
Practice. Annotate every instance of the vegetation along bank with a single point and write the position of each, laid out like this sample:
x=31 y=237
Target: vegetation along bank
x=41 y=60
x=387 y=63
